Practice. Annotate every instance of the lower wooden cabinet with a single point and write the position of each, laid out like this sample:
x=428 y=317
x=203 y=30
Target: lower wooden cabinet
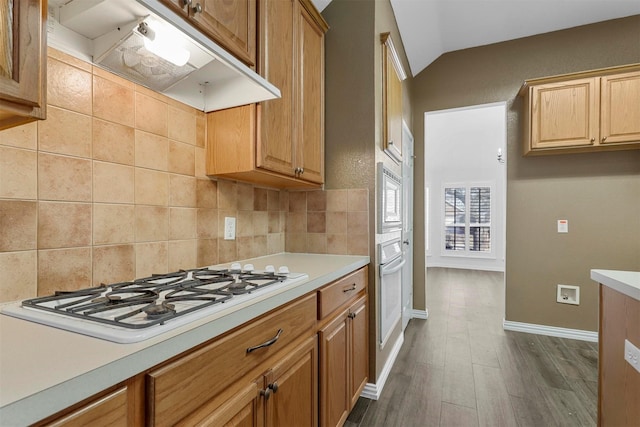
x=344 y=363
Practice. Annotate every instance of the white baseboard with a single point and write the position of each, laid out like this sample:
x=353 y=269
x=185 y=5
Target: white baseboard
x=552 y=331
x=373 y=391
x=419 y=314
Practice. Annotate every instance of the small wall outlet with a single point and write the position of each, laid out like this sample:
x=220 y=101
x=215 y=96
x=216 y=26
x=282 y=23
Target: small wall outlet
x=568 y=294
x=229 y=228
x=632 y=355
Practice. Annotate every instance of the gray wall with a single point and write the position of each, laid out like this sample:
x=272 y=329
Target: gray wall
x=599 y=193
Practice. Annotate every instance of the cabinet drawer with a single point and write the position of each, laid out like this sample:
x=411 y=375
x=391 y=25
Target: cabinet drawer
x=339 y=292
x=180 y=387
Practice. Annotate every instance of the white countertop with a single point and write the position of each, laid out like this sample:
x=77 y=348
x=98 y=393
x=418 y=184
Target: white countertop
x=625 y=282
x=44 y=370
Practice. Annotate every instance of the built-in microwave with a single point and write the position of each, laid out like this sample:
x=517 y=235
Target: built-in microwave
x=389 y=200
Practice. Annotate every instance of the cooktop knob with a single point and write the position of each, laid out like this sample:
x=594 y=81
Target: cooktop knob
x=235 y=266
x=248 y=268
x=283 y=270
x=270 y=269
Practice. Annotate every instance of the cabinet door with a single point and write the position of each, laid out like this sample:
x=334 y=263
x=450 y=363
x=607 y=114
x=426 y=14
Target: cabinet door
x=392 y=76
x=275 y=150
x=358 y=348
x=310 y=102
x=231 y=23
x=22 y=61
x=334 y=390
x=620 y=108
x=294 y=382
x=565 y=114
x=110 y=410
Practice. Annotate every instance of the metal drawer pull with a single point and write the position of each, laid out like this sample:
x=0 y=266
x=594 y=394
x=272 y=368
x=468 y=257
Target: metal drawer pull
x=266 y=343
x=352 y=288
x=352 y=315
x=274 y=387
x=266 y=393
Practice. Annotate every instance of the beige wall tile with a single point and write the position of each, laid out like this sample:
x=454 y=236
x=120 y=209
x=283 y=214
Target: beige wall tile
x=296 y=222
x=337 y=244
x=317 y=243
x=113 y=224
x=68 y=87
x=112 y=264
x=182 y=254
x=152 y=223
x=357 y=223
x=296 y=242
x=182 y=191
x=64 y=178
x=275 y=243
x=227 y=251
x=207 y=252
x=274 y=222
x=284 y=200
x=68 y=59
x=151 y=188
x=260 y=199
x=200 y=169
x=151 y=114
x=337 y=200
x=18 y=225
x=152 y=258
x=182 y=223
x=112 y=101
x=245 y=193
x=298 y=201
x=113 y=183
x=358 y=244
x=181 y=158
x=358 y=200
x=244 y=224
x=63 y=225
x=245 y=247
x=18 y=173
x=182 y=125
x=113 y=142
x=65 y=132
x=19 y=278
x=63 y=270
x=336 y=223
x=97 y=71
x=201 y=129
x=273 y=200
x=260 y=223
x=151 y=151
x=316 y=222
x=25 y=136
x=207 y=224
x=227 y=195
x=316 y=200
x=206 y=193
x=259 y=245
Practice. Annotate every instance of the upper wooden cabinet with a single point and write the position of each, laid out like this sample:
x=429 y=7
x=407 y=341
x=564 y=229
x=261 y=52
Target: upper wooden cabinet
x=231 y=23
x=392 y=76
x=594 y=111
x=279 y=142
x=23 y=66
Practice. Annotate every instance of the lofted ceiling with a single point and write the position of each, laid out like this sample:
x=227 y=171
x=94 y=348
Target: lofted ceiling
x=430 y=28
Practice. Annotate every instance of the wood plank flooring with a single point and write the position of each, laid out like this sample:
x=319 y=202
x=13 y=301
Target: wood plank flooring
x=460 y=368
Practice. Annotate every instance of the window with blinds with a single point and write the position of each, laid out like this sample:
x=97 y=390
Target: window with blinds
x=467 y=219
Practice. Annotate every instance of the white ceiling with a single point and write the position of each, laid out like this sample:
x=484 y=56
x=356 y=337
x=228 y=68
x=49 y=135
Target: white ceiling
x=430 y=28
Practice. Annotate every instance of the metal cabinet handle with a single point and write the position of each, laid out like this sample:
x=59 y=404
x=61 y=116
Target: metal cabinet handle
x=274 y=387
x=301 y=171
x=352 y=315
x=197 y=8
x=266 y=343
x=593 y=139
x=604 y=138
x=266 y=393
x=186 y=2
x=390 y=143
x=352 y=288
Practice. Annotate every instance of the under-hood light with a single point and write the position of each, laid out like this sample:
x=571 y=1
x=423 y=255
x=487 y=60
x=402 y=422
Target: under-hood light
x=161 y=43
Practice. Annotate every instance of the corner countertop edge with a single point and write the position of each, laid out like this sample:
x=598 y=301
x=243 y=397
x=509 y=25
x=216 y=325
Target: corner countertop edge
x=625 y=282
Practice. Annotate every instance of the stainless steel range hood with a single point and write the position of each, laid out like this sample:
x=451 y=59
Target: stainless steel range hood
x=113 y=34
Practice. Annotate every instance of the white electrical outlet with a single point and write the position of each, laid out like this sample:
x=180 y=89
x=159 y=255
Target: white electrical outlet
x=568 y=294
x=229 y=228
x=632 y=355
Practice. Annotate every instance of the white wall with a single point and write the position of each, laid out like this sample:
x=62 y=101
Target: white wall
x=461 y=146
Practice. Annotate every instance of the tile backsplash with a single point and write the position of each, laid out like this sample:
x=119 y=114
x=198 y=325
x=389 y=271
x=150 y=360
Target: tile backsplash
x=112 y=186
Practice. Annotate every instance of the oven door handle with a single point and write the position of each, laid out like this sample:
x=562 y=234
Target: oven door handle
x=387 y=269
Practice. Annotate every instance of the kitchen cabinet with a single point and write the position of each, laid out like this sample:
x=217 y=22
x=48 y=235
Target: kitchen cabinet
x=119 y=406
x=392 y=76
x=593 y=111
x=344 y=357
x=230 y=23
x=278 y=142
x=23 y=66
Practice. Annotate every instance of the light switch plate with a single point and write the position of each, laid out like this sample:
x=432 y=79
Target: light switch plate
x=563 y=226
x=632 y=355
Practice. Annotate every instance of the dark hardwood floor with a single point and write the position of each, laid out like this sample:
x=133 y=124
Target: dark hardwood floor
x=460 y=368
